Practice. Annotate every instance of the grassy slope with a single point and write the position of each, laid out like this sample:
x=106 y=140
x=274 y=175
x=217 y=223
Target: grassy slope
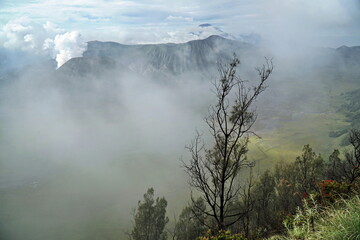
x=296 y=127
x=336 y=223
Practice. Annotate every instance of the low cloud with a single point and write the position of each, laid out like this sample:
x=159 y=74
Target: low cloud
x=46 y=39
x=17 y=34
x=317 y=23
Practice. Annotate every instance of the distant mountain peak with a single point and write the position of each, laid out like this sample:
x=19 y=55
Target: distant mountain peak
x=214 y=37
x=205 y=25
x=205 y=30
x=343 y=47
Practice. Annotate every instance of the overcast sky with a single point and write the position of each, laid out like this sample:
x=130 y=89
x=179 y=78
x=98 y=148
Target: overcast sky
x=327 y=23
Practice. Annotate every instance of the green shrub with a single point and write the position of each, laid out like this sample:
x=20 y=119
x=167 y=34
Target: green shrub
x=222 y=235
x=341 y=222
x=332 y=190
x=303 y=222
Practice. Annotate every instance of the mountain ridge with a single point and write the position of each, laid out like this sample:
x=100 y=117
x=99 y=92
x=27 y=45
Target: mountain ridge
x=171 y=58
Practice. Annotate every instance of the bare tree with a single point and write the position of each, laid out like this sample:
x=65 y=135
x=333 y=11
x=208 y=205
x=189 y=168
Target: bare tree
x=247 y=203
x=214 y=171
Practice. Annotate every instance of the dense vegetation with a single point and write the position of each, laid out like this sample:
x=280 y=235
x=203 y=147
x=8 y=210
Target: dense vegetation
x=306 y=199
x=292 y=200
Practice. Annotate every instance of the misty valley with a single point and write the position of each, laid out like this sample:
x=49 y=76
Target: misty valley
x=131 y=141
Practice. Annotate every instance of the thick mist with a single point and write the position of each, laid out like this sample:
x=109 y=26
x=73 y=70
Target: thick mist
x=86 y=127
x=80 y=146
x=77 y=156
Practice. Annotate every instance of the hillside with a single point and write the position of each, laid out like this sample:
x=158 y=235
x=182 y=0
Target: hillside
x=127 y=111
x=307 y=92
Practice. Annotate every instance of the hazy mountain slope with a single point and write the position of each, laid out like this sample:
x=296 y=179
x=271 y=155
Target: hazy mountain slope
x=350 y=55
x=169 y=58
x=302 y=89
x=199 y=55
x=73 y=139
